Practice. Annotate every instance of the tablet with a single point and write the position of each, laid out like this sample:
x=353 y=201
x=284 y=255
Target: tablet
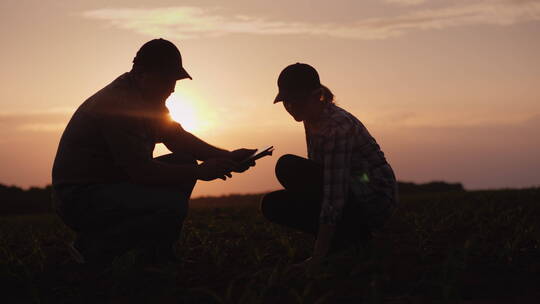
x=259 y=154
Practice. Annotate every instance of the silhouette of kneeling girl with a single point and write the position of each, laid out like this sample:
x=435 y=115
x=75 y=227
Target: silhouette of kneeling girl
x=345 y=189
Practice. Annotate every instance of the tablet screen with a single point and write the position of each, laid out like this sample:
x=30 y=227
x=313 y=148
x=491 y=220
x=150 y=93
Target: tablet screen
x=260 y=153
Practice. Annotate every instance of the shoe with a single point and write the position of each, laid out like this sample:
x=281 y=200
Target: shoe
x=76 y=253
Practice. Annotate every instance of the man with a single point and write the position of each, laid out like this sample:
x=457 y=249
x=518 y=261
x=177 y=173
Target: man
x=107 y=185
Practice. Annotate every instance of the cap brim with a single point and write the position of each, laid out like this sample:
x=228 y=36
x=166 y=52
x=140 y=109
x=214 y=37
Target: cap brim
x=183 y=74
x=279 y=97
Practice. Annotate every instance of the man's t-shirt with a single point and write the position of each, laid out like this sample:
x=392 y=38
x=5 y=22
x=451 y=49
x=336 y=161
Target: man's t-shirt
x=113 y=129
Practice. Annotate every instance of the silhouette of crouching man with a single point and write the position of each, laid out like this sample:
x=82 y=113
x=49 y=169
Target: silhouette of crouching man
x=108 y=186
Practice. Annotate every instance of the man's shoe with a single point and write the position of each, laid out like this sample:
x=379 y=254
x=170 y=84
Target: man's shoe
x=166 y=253
x=90 y=250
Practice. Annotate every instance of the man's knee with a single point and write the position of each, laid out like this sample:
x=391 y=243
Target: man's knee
x=177 y=209
x=176 y=215
x=178 y=159
x=185 y=159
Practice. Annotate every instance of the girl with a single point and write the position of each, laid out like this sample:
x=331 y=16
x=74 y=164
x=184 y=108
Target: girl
x=345 y=188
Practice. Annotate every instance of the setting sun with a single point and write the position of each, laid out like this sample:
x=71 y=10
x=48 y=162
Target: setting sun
x=183 y=111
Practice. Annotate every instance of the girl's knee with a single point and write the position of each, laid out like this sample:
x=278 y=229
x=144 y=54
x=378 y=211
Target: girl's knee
x=285 y=165
x=267 y=206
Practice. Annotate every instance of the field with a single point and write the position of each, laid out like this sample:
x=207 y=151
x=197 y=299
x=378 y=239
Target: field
x=454 y=247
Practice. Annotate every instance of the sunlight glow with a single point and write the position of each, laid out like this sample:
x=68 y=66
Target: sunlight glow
x=184 y=111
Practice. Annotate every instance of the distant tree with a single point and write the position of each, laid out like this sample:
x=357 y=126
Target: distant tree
x=14 y=200
x=436 y=186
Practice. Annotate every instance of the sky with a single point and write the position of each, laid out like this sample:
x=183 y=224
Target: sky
x=449 y=89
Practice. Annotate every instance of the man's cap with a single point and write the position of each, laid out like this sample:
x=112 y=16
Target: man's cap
x=162 y=56
x=297 y=79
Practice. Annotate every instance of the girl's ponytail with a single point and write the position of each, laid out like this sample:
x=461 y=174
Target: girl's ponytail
x=326 y=95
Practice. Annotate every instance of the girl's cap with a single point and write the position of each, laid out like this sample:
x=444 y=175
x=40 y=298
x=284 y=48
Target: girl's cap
x=296 y=80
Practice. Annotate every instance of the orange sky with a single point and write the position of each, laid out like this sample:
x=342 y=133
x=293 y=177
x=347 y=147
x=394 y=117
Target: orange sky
x=448 y=88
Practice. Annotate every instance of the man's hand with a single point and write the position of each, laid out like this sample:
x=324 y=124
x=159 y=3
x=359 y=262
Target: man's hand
x=216 y=168
x=240 y=155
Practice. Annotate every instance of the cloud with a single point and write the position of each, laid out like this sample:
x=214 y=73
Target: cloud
x=31 y=121
x=405 y=2
x=185 y=22
x=36 y=112
x=41 y=127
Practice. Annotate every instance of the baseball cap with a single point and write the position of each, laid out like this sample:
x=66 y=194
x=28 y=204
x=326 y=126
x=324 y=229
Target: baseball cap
x=296 y=80
x=162 y=56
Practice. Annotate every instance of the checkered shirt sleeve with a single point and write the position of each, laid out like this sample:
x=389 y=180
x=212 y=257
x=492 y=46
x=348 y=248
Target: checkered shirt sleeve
x=337 y=148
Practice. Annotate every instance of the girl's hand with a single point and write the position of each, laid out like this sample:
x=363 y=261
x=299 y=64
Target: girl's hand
x=310 y=266
x=324 y=241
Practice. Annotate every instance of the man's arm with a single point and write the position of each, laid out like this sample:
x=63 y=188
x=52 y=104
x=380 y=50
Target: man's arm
x=125 y=136
x=183 y=141
x=176 y=139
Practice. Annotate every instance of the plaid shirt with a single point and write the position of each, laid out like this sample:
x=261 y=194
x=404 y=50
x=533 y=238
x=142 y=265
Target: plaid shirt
x=354 y=167
x=112 y=130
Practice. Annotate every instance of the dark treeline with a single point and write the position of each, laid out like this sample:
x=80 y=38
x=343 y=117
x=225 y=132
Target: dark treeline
x=431 y=187
x=15 y=200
